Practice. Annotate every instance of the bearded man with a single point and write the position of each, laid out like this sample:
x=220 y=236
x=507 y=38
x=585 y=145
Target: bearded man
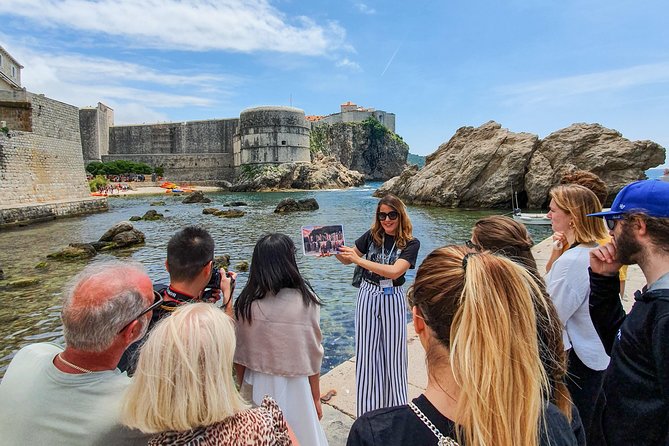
x=633 y=407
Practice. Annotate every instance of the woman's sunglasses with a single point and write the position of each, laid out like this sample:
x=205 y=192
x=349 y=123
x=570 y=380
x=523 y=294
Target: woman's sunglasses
x=391 y=215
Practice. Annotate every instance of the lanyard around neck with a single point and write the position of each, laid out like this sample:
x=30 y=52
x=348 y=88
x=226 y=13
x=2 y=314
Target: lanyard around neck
x=383 y=251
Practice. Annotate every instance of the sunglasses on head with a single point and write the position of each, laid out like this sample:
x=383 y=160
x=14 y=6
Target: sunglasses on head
x=391 y=215
x=157 y=300
x=471 y=245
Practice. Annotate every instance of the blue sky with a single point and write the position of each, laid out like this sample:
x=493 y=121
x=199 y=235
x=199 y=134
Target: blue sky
x=531 y=65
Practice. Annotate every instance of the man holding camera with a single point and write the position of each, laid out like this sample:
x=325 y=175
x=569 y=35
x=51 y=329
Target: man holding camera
x=193 y=278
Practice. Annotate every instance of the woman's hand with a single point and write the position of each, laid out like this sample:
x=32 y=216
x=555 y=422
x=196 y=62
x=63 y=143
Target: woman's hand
x=348 y=255
x=560 y=241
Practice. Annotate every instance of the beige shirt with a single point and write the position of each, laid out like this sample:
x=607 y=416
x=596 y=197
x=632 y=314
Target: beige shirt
x=283 y=338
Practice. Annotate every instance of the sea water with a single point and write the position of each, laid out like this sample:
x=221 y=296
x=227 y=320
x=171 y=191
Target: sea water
x=32 y=314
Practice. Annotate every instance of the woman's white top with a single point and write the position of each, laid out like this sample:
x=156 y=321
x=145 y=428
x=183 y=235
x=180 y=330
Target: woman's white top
x=568 y=284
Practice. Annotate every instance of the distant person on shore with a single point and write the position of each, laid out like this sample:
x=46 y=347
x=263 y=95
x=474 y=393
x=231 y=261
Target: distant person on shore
x=598 y=187
x=190 y=264
x=505 y=236
x=390 y=250
x=568 y=286
x=279 y=351
x=633 y=407
x=184 y=393
x=474 y=314
x=72 y=396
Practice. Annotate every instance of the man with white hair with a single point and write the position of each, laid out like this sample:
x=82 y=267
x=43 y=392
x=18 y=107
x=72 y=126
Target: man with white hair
x=72 y=396
x=633 y=405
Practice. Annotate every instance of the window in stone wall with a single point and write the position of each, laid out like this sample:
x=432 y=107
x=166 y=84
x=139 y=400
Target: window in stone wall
x=13 y=71
x=283 y=143
x=0 y=60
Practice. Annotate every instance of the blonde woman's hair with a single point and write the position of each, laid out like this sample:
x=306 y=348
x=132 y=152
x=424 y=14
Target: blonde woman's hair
x=184 y=373
x=506 y=236
x=481 y=308
x=404 y=227
x=578 y=202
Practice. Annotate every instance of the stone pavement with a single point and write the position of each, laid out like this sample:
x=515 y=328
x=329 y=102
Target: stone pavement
x=339 y=412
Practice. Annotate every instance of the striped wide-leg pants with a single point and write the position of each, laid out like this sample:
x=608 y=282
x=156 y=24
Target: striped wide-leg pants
x=380 y=348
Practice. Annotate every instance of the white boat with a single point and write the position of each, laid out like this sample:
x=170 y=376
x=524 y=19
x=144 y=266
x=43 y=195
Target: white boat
x=531 y=219
x=524 y=217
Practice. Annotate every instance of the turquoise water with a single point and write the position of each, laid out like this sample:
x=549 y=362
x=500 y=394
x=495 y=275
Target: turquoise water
x=32 y=314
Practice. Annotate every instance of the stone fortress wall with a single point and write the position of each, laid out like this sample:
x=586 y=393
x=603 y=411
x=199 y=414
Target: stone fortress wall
x=94 y=124
x=42 y=173
x=206 y=151
x=188 y=151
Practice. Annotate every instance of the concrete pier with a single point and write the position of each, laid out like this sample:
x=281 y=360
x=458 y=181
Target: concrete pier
x=339 y=412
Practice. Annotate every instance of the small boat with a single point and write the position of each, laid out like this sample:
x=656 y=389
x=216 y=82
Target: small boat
x=531 y=219
x=524 y=217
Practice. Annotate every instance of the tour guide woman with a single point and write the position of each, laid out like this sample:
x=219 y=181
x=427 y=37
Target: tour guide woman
x=380 y=317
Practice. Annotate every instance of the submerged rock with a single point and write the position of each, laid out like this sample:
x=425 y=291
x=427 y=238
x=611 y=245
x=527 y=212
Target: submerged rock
x=209 y=211
x=152 y=215
x=75 y=251
x=242 y=266
x=135 y=218
x=235 y=203
x=22 y=283
x=158 y=203
x=222 y=261
x=232 y=213
x=42 y=265
x=196 y=197
x=291 y=205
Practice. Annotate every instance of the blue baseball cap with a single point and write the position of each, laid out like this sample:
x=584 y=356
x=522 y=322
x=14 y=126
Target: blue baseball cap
x=650 y=197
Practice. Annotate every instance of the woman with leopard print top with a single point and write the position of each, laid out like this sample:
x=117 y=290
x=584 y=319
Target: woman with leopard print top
x=183 y=390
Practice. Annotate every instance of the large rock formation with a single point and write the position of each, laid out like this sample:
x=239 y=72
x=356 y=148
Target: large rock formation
x=478 y=167
x=617 y=160
x=474 y=169
x=322 y=173
x=367 y=147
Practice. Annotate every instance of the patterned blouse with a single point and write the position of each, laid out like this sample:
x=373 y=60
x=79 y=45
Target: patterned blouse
x=260 y=426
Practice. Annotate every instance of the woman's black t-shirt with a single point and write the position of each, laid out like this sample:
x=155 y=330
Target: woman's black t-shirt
x=365 y=245
x=396 y=426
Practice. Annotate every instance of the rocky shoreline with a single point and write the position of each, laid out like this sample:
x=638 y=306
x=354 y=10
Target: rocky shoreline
x=478 y=167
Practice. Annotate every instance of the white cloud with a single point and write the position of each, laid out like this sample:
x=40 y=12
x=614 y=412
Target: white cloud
x=613 y=80
x=136 y=92
x=196 y=25
x=363 y=8
x=349 y=65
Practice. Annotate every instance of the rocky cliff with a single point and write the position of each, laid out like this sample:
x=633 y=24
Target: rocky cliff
x=323 y=173
x=367 y=147
x=478 y=166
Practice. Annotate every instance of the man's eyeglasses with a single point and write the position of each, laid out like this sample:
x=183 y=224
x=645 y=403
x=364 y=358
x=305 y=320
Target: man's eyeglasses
x=391 y=215
x=471 y=245
x=157 y=300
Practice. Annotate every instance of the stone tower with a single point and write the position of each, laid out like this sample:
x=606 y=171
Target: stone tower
x=272 y=135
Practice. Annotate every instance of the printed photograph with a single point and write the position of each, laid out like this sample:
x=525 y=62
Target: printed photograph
x=322 y=240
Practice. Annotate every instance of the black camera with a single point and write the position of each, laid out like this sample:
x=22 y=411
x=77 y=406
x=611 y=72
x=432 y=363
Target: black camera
x=215 y=280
